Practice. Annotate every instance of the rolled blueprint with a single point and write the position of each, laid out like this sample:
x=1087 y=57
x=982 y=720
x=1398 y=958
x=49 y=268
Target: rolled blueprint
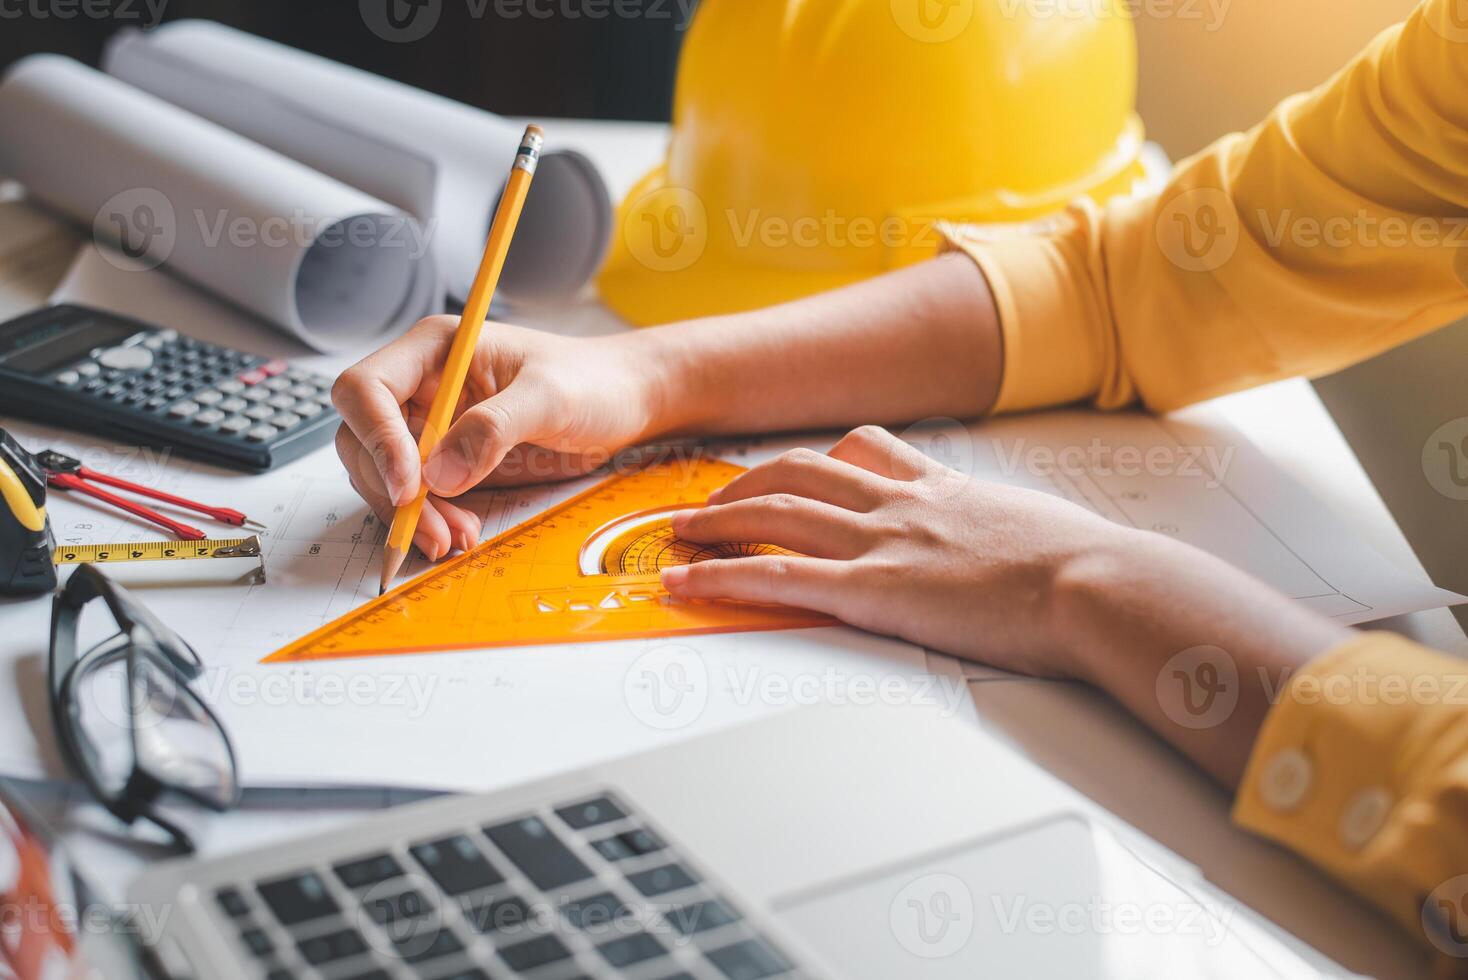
x=305 y=106
x=329 y=263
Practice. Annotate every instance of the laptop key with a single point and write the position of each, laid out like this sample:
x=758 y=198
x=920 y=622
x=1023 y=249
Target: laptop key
x=257 y=942
x=232 y=902
x=594 y=912
x=633 y=843
x=641 y=841
x=536 y=851
x=386 y=910
x=590 y=814
x=340 y=945
x=298 y=899
x=499 y=914
x=748 y=960
x=535 y=953
x=613 y=849
x=700 y=917
x=660 y=881
x=368 y=871
x=457 y=865
x=419 y=949
x=637 y=948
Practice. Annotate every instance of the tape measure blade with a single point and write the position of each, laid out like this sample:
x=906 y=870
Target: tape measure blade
x=136 y=551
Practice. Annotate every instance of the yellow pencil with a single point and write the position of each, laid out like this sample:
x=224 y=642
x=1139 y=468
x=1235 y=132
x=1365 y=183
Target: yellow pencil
x=466 y=339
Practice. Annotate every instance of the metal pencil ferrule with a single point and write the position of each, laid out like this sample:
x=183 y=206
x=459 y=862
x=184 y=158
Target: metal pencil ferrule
x=528 y=157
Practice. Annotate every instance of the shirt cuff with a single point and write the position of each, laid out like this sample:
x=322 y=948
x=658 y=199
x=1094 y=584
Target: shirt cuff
x=1051 y=324
x=1359 y=767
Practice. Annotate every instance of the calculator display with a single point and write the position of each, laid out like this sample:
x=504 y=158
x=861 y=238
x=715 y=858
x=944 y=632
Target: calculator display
x=44 y=347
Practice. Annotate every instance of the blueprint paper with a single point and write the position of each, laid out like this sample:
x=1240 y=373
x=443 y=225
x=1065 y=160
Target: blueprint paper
x=483 y=719
x=330 y=264
x=314 y=110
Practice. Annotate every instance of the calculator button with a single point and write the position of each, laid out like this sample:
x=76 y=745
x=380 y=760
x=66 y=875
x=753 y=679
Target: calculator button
x=255 y=395
x=127 y=359
x=232 y=387
x=234 y=405
x=307 y=410
x=88 y=370
x=155 y=403
x=211 y=416
x=154 y=343
x=168 y=336
x=235 y=424
x=184 y=410
x=259 y=412
x=262 y=433
x=113 y=391
x=303 y=391
x=278 y=384
x=273 y=368
x=285 y=420
x=253 y=377
x=68 y=378
x=208 y=398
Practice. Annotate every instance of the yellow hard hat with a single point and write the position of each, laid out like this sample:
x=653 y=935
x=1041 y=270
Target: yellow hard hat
x=816 y=142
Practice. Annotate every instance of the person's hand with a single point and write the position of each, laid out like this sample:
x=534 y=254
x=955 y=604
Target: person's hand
x=894 y=543
x=536 y=408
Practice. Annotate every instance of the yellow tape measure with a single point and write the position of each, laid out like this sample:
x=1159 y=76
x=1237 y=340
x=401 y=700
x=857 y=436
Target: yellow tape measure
x=232 y=561
x=580 y=572
x=107 y=554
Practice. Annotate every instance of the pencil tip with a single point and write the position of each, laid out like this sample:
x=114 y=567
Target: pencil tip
x=392 y=563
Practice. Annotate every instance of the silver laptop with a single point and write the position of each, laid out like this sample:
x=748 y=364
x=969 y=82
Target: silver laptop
x=824 y=842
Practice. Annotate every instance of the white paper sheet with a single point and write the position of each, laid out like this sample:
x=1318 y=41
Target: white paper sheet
x=317 y=111
x=328 y=263
x=483 y=719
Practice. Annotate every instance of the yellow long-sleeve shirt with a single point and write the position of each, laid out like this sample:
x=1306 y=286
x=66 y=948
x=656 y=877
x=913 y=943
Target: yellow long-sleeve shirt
x=1334 y=230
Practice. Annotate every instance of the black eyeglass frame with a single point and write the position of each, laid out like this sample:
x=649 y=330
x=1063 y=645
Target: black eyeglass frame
x=145 y=638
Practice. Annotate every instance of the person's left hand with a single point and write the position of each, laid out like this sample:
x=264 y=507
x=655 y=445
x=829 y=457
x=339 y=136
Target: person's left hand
x=894 y=543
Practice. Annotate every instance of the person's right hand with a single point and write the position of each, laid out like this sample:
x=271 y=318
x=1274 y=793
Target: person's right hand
x=536 y=407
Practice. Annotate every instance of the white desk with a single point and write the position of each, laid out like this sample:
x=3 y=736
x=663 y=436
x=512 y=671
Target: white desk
x=1116 y=762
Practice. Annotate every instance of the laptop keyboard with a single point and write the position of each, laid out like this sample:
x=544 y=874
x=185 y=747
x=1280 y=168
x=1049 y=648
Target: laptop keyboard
x=587 y=889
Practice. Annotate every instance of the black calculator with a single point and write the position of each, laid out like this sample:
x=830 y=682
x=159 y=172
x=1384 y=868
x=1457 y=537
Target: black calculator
x=101 y=374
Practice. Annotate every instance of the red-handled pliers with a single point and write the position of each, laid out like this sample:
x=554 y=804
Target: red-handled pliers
x=66 y=473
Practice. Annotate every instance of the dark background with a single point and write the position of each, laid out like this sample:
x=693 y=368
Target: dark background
x=608 y=67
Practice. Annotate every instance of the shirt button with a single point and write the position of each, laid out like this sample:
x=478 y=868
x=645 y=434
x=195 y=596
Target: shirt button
x=1285 y=780
x=1364 y=816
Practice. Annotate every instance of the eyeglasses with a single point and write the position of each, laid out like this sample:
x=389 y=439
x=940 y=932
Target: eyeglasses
x=127 y=720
